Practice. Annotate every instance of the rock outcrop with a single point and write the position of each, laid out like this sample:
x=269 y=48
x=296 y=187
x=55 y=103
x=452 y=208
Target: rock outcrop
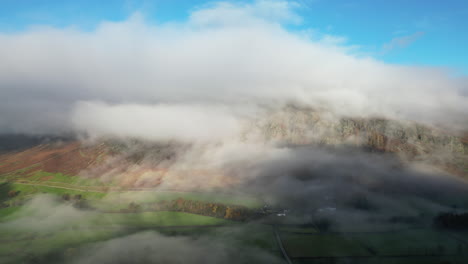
x=409 y=140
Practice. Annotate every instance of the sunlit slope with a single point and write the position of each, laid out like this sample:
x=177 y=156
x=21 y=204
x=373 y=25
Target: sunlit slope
x=138 y=164
x=68 y=158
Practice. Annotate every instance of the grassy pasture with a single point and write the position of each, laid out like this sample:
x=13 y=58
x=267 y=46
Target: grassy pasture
x=120 y=200
x=406 y=246
x=21 y=245
x=397 y=260
x=303 y=244
x=26 y=191
x=321 y=245
x=94 y=191
x=35 y=247
x=411 y=242
x=155 y=219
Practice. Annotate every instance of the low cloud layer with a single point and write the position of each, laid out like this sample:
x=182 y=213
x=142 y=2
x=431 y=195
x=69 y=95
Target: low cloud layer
x=151 y=247
x=242 y=104
x=353 y=189
x=49 y=230
x=135 y=78
x=45 y=213
x=156 y=122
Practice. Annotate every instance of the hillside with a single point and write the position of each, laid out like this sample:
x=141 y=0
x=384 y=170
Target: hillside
x=138 y=164
x=67 y=158
x=107 y=163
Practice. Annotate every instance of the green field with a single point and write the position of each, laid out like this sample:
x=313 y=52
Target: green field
x=155 y=219
x=118 y=200
x=321 y=245
x=41 y=226
x=26 y=191
x=405 y=246
x=27 y=233
x=412 y=242
x=303 y=244
x=396 y=260
x=92 y=190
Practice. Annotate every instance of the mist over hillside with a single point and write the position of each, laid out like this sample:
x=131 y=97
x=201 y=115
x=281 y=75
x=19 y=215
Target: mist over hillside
x=230 y=136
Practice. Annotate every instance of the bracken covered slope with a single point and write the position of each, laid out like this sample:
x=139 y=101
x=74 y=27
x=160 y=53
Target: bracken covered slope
x=67 y=158
x=151 y=164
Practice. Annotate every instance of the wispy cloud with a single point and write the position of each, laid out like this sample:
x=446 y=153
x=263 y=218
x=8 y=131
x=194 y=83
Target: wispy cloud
x=402 y=42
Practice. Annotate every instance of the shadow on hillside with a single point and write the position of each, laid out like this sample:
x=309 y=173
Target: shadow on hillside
x=6 y=193
x=17 y=142
x=354 y=186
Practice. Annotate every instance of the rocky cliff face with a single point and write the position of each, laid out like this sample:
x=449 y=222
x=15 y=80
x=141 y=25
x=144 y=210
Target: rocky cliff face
x=408 y=140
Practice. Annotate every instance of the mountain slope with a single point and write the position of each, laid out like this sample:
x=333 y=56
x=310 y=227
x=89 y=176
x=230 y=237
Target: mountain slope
x=140 y=164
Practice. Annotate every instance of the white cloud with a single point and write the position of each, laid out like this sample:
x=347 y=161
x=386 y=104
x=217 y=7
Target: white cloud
x=156 y=122
x=231 y=54
x=261 y=11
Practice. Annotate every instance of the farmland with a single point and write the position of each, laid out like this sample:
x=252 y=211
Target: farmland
x=51 y=214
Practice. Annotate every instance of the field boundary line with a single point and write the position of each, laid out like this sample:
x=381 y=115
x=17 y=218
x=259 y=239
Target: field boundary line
x=379 y=256
x=59 y=187
x=280 y=244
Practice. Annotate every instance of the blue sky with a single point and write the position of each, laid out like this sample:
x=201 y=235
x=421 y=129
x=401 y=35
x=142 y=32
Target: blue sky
x=416 y=32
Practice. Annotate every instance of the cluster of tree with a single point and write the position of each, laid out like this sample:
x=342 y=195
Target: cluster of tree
x=76 y=200
x=7 y=201
x=132 y=208
x=233 y=212
x=360 y=202
x=451 y=220
x=13 y=193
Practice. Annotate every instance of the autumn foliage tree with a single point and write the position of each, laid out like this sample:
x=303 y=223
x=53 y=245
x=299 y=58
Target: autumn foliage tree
x=12 y=193
x=233 y=212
